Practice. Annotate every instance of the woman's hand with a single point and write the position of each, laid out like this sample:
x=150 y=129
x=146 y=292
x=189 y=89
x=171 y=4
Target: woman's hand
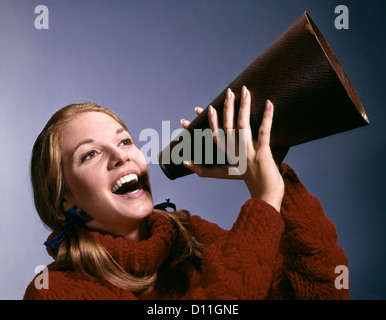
x=261 y=176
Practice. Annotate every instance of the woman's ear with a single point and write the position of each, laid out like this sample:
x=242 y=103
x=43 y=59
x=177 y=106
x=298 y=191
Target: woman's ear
x=67 y=199
x=67 y=204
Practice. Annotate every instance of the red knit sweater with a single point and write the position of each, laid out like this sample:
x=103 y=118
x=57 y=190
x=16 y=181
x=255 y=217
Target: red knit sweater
x=265 y=255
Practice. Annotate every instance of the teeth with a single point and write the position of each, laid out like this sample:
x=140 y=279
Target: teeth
x=130 y=177
x=135 y=191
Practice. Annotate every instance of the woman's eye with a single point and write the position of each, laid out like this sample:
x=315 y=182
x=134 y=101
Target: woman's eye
x=126 y=142
x=89 y=155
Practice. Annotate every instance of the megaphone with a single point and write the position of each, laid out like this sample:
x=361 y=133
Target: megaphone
x=300 y=74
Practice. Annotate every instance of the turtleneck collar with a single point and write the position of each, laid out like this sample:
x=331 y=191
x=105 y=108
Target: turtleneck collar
x=141 y=257
x=144 y=256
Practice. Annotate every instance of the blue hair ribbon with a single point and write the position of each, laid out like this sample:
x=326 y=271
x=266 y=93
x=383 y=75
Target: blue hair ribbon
x=166 y=204
x=73 y=220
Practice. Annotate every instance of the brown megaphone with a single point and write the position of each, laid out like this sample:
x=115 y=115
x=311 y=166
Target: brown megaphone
x=300 y=74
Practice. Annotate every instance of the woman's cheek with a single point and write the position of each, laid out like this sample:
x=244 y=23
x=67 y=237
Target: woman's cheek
x=141 y=157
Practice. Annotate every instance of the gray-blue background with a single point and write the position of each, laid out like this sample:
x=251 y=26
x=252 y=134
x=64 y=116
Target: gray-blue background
x=156 y=60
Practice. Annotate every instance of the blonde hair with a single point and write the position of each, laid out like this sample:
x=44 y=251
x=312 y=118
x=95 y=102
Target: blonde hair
x=79 y=249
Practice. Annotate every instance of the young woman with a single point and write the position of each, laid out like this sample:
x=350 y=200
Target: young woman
x=91 y=187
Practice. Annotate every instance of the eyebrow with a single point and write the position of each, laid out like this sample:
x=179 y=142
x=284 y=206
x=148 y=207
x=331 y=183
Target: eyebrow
x=87 y=141
x=80 y=144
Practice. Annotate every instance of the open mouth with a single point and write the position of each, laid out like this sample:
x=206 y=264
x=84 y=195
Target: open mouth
x=128 y=184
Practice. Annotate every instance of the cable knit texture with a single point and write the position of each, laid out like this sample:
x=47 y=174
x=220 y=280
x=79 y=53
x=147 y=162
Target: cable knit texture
x=265 y=255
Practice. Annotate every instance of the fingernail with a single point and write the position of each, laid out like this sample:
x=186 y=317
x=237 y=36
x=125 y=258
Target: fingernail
x=211 y=110
x=268 y=104
x=187 y=163
x=229 y=93
x=244 y=91
x=182 y=121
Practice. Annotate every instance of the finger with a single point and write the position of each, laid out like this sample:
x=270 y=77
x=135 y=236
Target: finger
x=185 y=123
x=266 y=125
x=217 y=133
x=245 y=109
x=229 y=111
x=198 y=110
x=245 y=116
x=213 y=118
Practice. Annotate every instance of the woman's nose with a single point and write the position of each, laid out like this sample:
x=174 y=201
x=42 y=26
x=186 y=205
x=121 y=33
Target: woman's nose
x=118 y=157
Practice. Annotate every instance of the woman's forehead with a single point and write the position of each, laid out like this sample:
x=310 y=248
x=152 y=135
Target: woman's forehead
x=90 y=126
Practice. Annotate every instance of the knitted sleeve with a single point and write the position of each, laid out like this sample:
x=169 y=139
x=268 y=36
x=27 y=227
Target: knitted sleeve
x=309 y=243
x=240 y=264
x=207 y=232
